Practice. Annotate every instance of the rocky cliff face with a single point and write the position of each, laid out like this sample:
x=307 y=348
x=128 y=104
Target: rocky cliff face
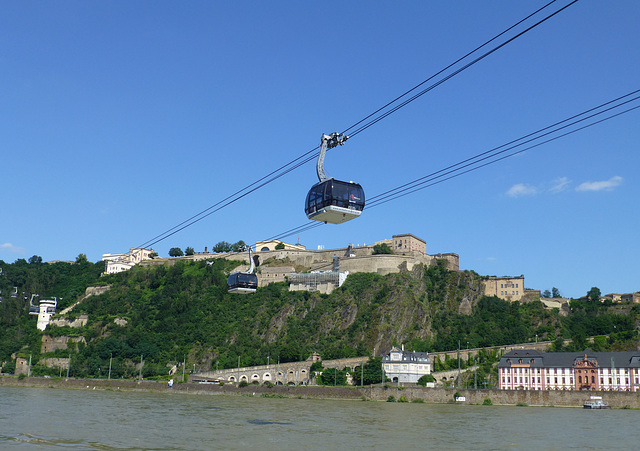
x=373 y=311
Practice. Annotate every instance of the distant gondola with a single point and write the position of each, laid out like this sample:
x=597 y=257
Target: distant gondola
x=332 y=200
x=33 y=309
x=243 y=282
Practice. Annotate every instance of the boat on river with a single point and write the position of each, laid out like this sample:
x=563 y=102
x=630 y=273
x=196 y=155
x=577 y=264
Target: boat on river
x=596 y=402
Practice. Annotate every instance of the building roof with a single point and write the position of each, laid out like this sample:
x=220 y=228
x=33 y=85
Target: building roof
x=406 y=356
x=409 y=234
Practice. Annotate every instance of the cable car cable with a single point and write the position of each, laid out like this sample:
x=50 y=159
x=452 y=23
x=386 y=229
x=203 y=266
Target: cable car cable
x=346 y=131
x=453 y=74
x=383 y=198
x=377 y=197
x=435 y=180
x=275 y=174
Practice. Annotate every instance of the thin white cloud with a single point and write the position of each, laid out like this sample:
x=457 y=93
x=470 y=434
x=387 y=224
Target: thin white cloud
x=606 y=185
x=11 y=248
x=560 y=184
x=522 y=189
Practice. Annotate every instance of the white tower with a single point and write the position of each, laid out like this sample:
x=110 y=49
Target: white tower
x=47 y=308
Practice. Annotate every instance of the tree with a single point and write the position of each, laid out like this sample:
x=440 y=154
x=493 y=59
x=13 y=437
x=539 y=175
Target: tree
x=594 y=294
x=222 y=246
x=382 y=249
x=426 y=378
x=555 y=293
x=372 y=372
x=333 y=376
x=81 y=258
x=36 y=259
x=175 y=252
x=279 y=246
x=189 y=251
x=546 y=294
x=238 y=246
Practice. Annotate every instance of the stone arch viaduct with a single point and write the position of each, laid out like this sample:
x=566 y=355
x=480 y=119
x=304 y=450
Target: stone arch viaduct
x=290 y=373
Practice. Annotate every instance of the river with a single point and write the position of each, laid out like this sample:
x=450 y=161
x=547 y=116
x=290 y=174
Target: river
x=56 y=419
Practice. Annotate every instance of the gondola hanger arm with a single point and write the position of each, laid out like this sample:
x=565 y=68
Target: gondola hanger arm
x=328 y=142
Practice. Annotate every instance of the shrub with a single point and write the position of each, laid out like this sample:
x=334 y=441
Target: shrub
x=391 y=398
x=243 y=384
x=426 y=378
x=418 y=400
x=487 y=402
x=403 y=398
x=382 y=249
x=9 y=368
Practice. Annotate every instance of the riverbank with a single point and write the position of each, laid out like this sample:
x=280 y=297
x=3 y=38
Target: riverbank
x=370 y=393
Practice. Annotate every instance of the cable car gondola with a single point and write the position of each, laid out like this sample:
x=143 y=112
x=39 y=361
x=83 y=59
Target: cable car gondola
x=243 y=282
x=332 y=200
x=33 y=309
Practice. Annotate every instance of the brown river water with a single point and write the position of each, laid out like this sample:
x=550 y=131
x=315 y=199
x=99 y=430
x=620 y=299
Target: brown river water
x=57 y=419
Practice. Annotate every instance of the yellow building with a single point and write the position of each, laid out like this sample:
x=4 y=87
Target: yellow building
x=507 y=288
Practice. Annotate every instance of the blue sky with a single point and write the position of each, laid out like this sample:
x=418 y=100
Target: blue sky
x=119 y=120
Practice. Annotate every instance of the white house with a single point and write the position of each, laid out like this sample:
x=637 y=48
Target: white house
x=404 y=366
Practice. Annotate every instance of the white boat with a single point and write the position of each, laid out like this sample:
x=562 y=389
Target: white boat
x=596 y=402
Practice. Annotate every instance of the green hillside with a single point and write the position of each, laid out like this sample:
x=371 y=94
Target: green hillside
x=170 y=314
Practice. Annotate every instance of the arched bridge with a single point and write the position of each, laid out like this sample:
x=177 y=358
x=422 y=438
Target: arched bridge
x=290 y=373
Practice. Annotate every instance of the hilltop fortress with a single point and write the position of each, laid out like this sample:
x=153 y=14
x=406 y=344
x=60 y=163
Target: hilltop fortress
x=326 y=265
x=324 y=270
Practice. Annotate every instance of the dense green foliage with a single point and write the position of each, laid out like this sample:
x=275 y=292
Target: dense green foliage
x=168 y=314
x=62 y=280
x=382 y=249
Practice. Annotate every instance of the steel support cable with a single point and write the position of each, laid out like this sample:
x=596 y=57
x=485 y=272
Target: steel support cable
x=299 y=229
x=457 y=173
x=151 y=241
x=454 y=73
x=503 y=157
x=412 y=187
x=275 y=174
x=494 y=151
x=446 y=68
x=220 y=205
